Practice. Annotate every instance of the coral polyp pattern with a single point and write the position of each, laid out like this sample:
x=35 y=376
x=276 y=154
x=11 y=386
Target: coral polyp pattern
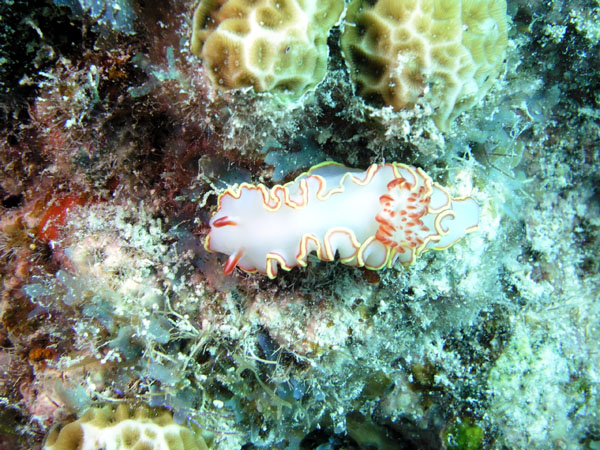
x=124 y=427
x=386 y=214
x=271 y=45
x=450 y=50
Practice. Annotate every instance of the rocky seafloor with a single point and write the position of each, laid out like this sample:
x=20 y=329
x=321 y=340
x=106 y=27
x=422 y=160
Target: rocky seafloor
x=114 y=147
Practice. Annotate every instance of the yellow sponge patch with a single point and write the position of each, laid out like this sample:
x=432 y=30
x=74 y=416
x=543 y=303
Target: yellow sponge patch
x=449 y=50
x=271 y=45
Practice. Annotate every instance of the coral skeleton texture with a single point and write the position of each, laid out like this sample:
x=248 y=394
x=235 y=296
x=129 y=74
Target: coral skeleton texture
x=124 y=427
x=278 y=46
x=449 y=51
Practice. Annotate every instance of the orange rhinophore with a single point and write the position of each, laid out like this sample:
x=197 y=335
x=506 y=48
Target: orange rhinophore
x=232 y=261
x=223 y=222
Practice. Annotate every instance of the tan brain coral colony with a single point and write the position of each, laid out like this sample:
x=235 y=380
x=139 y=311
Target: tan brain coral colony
x=451 y=50
x=271 y=45
x=124 y=427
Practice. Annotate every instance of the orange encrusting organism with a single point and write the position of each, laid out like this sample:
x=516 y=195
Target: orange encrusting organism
x=56 y=216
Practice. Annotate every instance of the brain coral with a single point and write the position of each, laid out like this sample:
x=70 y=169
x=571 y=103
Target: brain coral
x=123 y=427
x=399 y=50
x=272 y=45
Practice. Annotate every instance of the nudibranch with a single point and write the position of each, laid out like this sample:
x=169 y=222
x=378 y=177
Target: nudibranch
x=389 y=213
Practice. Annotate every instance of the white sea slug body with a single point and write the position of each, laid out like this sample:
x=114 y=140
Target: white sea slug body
x=389 y=213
